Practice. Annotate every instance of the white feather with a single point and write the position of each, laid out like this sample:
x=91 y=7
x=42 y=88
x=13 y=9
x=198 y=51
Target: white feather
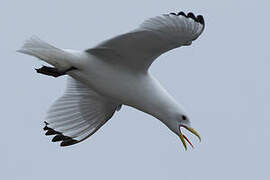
x=46 y=52
x=78 y=113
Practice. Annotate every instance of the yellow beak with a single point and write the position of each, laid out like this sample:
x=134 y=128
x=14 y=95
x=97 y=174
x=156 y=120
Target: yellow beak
x=183 y=137
x=183 y=140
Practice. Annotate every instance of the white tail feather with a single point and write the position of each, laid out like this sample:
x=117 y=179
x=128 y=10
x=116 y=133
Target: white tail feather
x=46 y=52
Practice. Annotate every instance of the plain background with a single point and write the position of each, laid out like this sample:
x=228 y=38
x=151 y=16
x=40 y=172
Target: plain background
x=222 y=80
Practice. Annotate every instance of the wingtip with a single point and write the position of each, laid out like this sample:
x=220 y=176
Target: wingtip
x=181 y=13
x=60 y=137
x=68 y=142
x=191 y=15
x=51 y=132
x=200 y=19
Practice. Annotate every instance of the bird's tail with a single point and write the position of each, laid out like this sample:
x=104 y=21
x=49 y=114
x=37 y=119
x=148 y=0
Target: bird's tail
x=59 y=58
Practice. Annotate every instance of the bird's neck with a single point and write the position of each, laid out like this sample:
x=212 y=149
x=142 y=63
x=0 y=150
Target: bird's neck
x=159 y=103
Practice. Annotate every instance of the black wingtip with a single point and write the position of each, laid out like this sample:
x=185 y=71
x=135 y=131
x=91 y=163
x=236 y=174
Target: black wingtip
x=191 y=15
x=200 y=19
x=51 y=132
x=181 y=13
x=60 y=137
x=68 y=142
x=46 y=128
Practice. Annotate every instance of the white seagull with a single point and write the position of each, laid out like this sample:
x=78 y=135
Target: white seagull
x=113 y=73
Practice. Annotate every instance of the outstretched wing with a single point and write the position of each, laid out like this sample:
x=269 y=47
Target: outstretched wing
x=139 y=48
x=78 y=114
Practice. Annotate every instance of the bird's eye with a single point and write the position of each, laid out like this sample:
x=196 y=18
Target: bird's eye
x=184 y=117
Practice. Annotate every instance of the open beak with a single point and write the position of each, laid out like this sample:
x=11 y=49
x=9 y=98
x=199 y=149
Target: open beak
x=184 y=138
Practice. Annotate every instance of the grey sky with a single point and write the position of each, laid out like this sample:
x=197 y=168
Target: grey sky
x=222 y=80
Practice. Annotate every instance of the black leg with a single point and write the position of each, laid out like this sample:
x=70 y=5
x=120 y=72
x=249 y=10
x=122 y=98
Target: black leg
x=50 y=71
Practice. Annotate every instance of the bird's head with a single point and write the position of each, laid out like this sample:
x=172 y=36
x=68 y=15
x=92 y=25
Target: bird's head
x=176 y=124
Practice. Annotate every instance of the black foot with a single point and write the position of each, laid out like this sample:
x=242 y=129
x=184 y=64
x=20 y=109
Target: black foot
x=50 y=71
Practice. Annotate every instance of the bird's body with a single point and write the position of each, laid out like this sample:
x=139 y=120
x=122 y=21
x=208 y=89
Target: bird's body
x=125 y=86
x=113 y=73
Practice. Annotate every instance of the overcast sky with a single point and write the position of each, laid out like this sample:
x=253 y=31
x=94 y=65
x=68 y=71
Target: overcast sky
x=222 y=80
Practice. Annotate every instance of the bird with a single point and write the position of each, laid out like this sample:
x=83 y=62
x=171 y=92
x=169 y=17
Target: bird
x=113 y=73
